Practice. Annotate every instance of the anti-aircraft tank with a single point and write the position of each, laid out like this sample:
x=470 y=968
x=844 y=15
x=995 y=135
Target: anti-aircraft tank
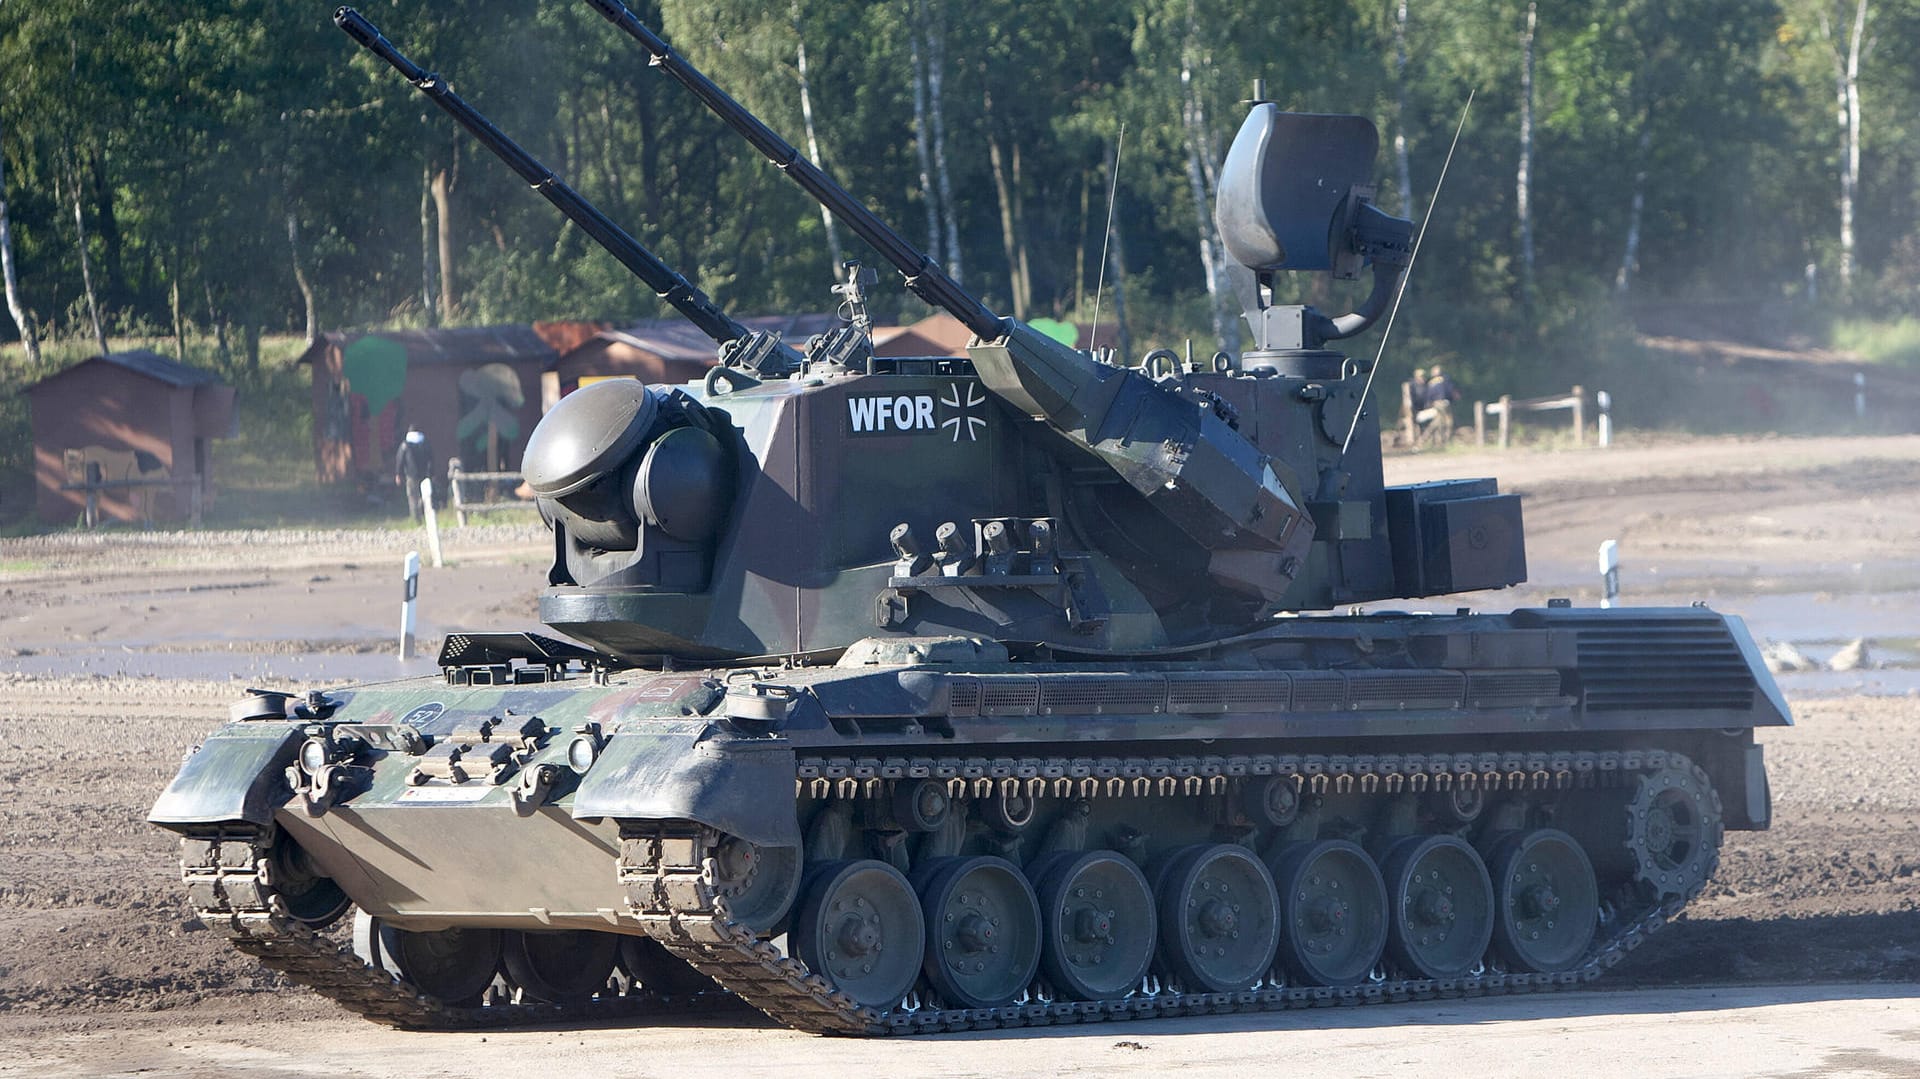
x=928 y=694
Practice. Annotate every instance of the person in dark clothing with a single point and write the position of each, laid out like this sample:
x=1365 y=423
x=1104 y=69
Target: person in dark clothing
x=1441 y=394
x=413 y=463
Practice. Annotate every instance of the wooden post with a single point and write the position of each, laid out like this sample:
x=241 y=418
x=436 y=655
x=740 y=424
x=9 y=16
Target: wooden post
x=1506 y=418
x=453 y=491
x=1579 y=416
x=1409 y=426
x=433 y=522
x=1480 y=424
x=409 y=592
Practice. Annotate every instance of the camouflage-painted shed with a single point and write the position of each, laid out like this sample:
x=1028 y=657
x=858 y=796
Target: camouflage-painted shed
x=474 y=392
x=131 y=429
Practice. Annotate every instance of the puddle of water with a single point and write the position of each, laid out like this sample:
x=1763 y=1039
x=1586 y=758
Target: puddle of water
x=1885 y=682
x=251 y=667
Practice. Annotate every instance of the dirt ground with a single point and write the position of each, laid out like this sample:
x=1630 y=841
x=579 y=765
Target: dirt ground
x=118 y=652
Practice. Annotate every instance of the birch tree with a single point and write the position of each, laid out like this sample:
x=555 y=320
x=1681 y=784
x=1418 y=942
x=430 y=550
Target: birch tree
x=1201 y=182
x=22 y=318
x=1847 y=58
x=813 y=136
x=1523 y=181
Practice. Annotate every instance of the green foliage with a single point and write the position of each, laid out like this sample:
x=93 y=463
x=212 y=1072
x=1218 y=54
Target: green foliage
x=1894 y=342
x=220 y=151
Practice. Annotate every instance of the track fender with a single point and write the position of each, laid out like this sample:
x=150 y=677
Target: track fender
x=693 y=771
x=238 y=774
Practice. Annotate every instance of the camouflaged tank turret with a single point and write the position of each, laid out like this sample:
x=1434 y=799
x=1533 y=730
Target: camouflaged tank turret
x=933 y=694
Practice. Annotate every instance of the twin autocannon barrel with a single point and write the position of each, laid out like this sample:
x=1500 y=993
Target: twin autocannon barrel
x=1193 y=468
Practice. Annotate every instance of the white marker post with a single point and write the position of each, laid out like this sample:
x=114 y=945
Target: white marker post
x=409 y=592
x=433 y=522
x=1859 y=395
x=1605 y=401
x=1609 y=573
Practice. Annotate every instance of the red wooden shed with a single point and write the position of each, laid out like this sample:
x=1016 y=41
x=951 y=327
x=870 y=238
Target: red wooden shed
x=131 y=429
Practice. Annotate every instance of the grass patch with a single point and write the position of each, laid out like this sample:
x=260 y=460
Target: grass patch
x=1895 y=343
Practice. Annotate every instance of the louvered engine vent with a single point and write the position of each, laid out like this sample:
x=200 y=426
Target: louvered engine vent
x=1631 y=664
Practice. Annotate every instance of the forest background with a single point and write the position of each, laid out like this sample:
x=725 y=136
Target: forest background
x=214 y=172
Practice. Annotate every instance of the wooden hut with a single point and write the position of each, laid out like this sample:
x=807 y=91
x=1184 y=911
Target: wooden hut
x=125 y=437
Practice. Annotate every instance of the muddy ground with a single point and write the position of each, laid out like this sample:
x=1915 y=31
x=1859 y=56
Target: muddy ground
x=118 y=652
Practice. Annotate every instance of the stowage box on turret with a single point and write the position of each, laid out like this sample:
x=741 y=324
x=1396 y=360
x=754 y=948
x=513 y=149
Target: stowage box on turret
x=931 y=694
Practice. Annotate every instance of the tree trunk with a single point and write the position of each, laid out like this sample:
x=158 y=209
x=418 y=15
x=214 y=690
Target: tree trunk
x=1080 y=249
x=86 y=264
x=1117 y=256
x=107 y=227
x=427 y=309
x=1523 y=183
x=300 y=279
x=179 y=320
x=1630 y=260
x=250 y=340
x=218 y=320
x=1193 y=126
x=615 y=180
x=442 y=189
x=22 y=318
x=1400 y=108
x=1024 y=246
x=936 y=75
x=922 y=139
x=1008 y=241
x=813 y=138
x=1112 y=256
x=1847 y=72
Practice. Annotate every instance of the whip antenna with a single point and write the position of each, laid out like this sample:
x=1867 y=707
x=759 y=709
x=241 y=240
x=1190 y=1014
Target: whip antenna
x=1100 y=282
x=1401 y=292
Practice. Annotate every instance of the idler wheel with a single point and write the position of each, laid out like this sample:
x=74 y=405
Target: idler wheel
x=453 y=966
x=1219 y=917
x=983 y=930
x=860 y=929
x=758 y=884
x=1333 y=912
x=565 y=966
x=1546 y=901
x=1100 y=925
x=1440 y=905
x=658 y=970
x=311 y=897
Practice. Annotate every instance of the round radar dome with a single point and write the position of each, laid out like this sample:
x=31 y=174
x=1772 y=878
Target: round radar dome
x=589 y=433
x=679 y=485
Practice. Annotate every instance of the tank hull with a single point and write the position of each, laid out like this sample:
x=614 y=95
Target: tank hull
x=713 y=812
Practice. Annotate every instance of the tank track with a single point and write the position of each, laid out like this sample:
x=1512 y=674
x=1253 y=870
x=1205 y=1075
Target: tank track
x=676 y=896
x=228 y=879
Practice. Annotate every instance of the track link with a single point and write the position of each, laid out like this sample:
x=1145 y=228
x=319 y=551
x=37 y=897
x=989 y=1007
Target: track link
x=671 y=885
x=228 y=879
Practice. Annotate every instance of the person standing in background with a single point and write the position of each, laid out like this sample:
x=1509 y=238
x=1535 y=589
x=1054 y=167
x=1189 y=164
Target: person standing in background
x=411 y=464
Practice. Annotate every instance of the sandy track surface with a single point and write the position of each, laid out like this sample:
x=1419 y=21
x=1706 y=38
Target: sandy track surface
x=103 y=972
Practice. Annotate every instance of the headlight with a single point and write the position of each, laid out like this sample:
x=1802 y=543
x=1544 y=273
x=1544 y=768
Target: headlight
x=315 y=754
x=582 y=752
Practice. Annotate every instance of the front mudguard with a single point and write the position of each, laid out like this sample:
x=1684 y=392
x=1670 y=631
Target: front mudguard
x=239 y=774
x=695 y=771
